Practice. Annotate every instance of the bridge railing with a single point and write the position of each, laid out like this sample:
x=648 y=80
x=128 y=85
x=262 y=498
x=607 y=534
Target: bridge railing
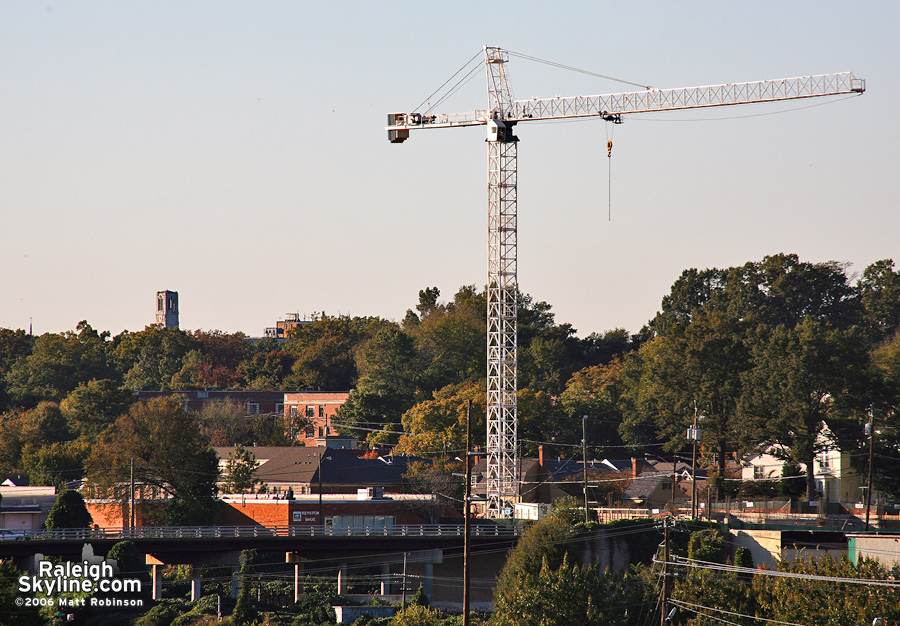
x=217 y=532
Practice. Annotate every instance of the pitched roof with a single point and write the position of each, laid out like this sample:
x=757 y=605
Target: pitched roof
x=299 y=464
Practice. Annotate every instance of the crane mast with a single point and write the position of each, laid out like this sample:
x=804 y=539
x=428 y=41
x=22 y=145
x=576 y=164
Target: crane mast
x=502 y=287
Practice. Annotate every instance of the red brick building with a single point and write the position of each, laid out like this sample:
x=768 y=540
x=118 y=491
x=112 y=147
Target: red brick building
x=318 y=407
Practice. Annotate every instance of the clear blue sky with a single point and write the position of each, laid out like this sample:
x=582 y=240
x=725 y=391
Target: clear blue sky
x=235 y=152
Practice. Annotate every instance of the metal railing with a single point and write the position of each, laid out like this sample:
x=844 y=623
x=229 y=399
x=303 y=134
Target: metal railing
x=241 y=532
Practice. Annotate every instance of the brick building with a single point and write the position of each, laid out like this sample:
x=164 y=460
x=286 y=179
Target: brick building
x=319 y=408
x=254 y=402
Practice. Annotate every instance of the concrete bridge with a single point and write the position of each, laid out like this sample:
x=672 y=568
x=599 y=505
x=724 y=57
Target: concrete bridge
x=426 y=546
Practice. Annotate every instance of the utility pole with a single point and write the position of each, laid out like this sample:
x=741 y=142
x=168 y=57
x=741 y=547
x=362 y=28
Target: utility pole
x=674 y=481
x=694 y=435
x=870 y=431
x=322 y=460
x=665 y=573
x=403 y=591
x=467 y=504
x=132 y=516
x=584 y=458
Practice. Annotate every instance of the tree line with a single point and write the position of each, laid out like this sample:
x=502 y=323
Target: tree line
x=777 y=354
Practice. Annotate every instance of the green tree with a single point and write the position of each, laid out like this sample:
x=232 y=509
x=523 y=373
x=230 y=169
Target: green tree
x=389 y=372
x=57 y=364
x=602 y=348
x=11 y=613
x=267 y=370
x=782 y=290
x=69 y=511
x=450 y=339
x=879 y=289
x=595 y=392
x=171 y=456
x=325 y=351
x=707 y=545
x=91 y=407
x=692 y=371
x=244 y=612
x=802 y=379
x=239 y=470
x=14 y=345
x=808 y=600
x=148 y=359
x=55 y=463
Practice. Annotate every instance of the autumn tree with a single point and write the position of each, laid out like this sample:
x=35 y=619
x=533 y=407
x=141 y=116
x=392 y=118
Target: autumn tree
x=170 y=455
x=225 y=423
x=439 y=425
x=222 y=354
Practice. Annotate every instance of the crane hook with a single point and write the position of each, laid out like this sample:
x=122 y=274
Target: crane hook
x=609 y=148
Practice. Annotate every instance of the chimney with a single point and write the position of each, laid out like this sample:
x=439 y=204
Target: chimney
x=635 y=467
x=541 y=456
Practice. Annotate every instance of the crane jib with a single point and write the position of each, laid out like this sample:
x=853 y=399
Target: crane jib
x=647 y=101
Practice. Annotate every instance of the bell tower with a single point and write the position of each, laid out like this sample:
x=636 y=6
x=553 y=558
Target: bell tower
x=167 y=309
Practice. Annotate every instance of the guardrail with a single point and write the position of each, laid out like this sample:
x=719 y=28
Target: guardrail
x=239 y=532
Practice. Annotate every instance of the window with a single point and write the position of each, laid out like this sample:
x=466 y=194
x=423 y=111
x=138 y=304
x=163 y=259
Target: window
x=159 y=304
x=321 y=410
x=667 y=486
x=310 y=410
x=759 y=472
x=279 y=408
x=294 y=410
x=253 y=408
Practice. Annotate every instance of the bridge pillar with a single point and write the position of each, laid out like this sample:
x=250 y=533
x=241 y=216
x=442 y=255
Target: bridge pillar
x=342 y=579
x=157 y=581
x=234 y=581
x=196 y=586
x=428 y=583
x=385 y=579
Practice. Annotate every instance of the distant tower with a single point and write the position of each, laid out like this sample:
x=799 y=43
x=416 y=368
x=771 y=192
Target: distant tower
x=167 y=308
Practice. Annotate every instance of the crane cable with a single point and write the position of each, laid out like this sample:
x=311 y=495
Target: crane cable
x=609 y=147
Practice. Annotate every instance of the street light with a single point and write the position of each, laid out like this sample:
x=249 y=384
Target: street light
x=321 y=459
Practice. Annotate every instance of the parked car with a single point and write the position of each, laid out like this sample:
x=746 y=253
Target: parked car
x=7 y=534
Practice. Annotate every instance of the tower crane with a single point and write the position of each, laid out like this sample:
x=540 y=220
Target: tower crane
x=500 y=120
